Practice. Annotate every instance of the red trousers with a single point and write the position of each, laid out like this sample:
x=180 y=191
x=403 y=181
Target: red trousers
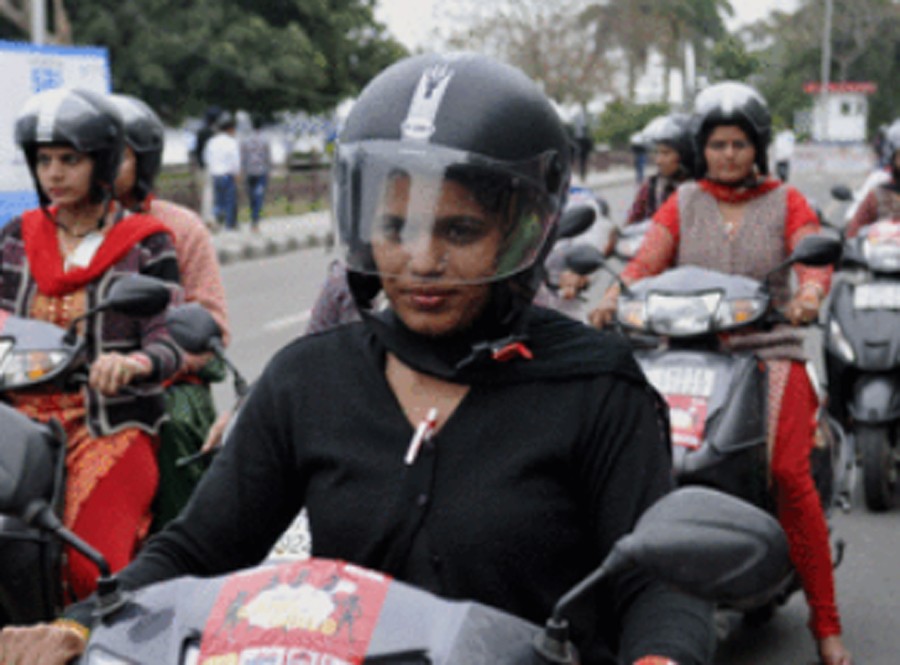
x=799 y=509
x=114 y=518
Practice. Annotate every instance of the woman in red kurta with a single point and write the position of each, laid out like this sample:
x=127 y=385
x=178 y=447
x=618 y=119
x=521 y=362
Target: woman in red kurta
x=738 y=220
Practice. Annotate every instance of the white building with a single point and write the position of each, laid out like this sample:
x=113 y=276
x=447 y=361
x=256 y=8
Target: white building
x=840 y=114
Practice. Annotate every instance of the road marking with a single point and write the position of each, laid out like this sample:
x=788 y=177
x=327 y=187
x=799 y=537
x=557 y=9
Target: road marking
x=293 y=321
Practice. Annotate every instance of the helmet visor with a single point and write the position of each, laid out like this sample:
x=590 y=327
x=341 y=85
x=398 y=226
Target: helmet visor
x=440 y=214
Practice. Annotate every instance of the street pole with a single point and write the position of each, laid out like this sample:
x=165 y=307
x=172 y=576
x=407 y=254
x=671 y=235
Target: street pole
x=38 y=22
x=826 y=66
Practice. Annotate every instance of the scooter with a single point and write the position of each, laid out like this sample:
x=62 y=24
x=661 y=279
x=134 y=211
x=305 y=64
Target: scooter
x=862 y=356
x=328 y=612
x=717 y=397
x=36 y=354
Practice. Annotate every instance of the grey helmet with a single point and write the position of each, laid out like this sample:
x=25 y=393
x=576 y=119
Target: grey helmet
x=83 y=119
x=732 y=103
x=462 y=117
x=145 y=134
x=674 y=130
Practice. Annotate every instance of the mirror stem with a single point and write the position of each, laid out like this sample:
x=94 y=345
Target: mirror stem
x=240 y=383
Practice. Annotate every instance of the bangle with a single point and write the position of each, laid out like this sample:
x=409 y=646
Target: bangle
x=142 y=360
x=812 y=286
x=69 y=624
x=655 y=660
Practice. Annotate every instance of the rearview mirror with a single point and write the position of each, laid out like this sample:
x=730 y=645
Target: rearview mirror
x=583 y=259
x=841 y=193
x=710 y=545
x=137 y=295
x=575 y=221
x=817 y=250
x=193 y=328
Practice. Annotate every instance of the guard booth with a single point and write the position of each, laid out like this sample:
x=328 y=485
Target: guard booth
x=26 y=69
x=840 y=115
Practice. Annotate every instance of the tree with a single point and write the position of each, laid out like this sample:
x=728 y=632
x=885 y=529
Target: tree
x=548 y=41
x=729 y=59
x=865 y=47
x=263 y=57
x=16 y=23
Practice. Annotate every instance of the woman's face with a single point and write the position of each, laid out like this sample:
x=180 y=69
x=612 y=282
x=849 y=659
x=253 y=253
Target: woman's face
x=730 y=155
x=64 y=174
x=667 y=160
x=428 y=278
x=127 y=176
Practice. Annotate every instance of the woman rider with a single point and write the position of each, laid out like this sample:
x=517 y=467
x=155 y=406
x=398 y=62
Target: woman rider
x=883 y=201
x=449 y=179
x=673 y=155
x=738 y=220
x=189 y=402
x=59 y=260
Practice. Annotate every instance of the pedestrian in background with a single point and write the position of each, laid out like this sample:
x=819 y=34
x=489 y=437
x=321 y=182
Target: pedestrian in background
x=784 y=151
x=222 y=156
x=203 y=179
x=256 y=162
x=639 y=151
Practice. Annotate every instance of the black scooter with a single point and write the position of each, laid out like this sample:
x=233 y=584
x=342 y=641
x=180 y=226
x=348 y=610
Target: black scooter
x=718 y=397
x=326 y=611
x=37 y=354
x=862 y=356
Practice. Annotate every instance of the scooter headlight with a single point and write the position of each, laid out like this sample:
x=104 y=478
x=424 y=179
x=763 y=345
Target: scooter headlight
x=732 y=313
x=682 y=316
x=29 y=367
x=838 y=341
x=632 y=312
x=98 y=656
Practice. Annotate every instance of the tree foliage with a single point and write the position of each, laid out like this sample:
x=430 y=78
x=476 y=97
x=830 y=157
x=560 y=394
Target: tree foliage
x=621 y=119
x=181 y=56
x=865 y=47
x=548 y=41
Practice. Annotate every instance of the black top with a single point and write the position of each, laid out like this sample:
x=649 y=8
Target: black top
x=521 y=494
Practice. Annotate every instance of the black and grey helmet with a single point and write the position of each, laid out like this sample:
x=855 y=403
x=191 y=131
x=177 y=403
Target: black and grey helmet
x=145 y=134
x=674 y=130
x=732 y=103
x=460 y=117
x=83 y=119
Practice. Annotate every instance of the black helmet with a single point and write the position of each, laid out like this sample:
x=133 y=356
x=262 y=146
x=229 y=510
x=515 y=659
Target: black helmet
x=463 y=118
x=674 y=130
x=732 y=103
x=145 y=134
x=83 y=119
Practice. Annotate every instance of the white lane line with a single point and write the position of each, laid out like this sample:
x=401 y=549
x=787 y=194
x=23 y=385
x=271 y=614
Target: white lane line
x=292 y=321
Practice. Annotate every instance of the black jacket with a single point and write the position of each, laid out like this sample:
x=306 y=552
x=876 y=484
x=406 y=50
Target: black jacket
x=521 y=494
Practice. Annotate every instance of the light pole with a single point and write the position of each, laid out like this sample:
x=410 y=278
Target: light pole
x=825 y=78
x=38 y=22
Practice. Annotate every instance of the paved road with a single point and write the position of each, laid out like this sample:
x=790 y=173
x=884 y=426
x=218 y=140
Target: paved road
x=269 y=301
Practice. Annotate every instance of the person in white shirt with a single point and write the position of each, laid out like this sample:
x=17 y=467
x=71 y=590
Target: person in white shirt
x=223 y=162
x=784 y=150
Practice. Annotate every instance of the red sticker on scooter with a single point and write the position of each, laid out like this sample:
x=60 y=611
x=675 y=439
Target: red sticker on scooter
x=315 y=612
x=687 y=415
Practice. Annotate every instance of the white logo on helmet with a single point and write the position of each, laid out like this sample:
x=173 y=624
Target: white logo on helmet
x=49 y=104
x=426 y=101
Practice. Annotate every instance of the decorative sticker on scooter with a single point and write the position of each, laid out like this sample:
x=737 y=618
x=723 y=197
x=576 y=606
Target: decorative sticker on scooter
x=314 y=612
x=687 y=416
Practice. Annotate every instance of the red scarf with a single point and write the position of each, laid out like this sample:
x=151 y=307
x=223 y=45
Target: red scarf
x=738 y=194
x=46 y=261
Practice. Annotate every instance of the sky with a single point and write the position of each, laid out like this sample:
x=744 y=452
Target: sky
x=411 y=20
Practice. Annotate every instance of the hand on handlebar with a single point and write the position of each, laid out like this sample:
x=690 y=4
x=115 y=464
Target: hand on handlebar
x=111 y=372
x=803 y=308
x=604 y=313
x=571 y=284
x=43 y=644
